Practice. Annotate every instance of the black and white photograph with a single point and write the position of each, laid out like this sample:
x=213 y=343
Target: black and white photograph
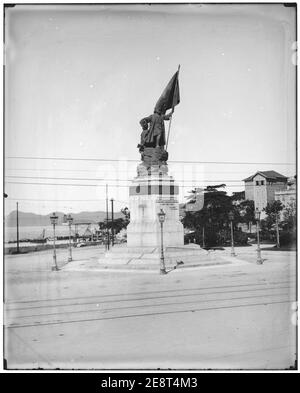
x=150 y=187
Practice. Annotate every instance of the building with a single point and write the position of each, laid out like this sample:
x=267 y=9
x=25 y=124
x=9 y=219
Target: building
x=262 y=186
x=288 y=196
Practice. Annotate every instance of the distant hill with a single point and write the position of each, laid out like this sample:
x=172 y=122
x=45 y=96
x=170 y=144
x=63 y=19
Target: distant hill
x=32 y=219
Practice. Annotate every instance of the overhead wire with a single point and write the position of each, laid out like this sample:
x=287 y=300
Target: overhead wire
x=114 y=179
x=195 y=183
x=131 y=160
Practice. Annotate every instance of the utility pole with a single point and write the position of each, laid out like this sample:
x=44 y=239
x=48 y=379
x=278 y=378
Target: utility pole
x=107 y=231
x=112 y=222
x=70 y=220
x=18 y=248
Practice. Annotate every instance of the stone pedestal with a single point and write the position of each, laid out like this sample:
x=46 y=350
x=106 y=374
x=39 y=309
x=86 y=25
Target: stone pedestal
x=152 y=190
x=190 y=255
x=149 y=194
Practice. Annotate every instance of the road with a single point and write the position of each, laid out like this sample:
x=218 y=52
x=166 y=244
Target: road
x=228 y=316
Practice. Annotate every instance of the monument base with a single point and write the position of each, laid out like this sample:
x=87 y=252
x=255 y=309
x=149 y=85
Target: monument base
x=190 y=255
x=148 y=195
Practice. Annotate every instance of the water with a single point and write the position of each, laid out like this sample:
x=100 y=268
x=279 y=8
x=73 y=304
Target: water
x=34 y=232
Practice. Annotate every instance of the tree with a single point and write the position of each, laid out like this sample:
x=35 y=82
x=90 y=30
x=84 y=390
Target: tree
x=289 y=217
x=213 y=218
x=288 y=235
x=246 y=210
x=102 y=225
x=272 y=210
x=119 y=224
x=126 y=213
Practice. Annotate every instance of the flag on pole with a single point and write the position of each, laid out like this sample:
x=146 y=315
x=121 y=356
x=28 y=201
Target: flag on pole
x=170 y=96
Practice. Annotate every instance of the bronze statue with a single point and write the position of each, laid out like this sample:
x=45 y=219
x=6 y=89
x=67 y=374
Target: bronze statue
x=144 y=134
x=153 y=140
x=153 y=137
x=156 y=135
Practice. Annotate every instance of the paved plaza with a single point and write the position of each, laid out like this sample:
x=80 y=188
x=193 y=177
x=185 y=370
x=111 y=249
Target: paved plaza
x=228 y=316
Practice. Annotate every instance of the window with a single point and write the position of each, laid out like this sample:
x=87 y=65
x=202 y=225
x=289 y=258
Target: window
x=260 y=182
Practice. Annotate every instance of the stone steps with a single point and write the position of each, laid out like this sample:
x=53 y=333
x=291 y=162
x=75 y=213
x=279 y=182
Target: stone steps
x=191 y=256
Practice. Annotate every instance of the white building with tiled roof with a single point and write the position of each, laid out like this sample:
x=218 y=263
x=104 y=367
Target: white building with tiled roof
x=262 y=186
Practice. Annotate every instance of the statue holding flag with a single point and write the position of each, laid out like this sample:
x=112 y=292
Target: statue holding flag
x=153 y=138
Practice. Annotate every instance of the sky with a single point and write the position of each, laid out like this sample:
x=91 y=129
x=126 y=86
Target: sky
x=79 y=78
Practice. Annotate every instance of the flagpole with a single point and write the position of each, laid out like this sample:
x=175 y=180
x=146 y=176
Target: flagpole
x=168 y=133
x=172 y=114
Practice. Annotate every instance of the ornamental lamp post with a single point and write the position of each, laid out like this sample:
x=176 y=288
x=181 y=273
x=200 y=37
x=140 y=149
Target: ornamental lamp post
x=161 y=217
x=54 y=220
x=70 y=220
x=231 y=218
x=257 y=218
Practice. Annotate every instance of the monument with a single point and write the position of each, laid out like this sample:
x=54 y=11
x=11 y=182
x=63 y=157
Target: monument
x=153 y=191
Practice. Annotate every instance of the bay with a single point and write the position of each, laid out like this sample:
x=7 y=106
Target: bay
x=34 y=232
